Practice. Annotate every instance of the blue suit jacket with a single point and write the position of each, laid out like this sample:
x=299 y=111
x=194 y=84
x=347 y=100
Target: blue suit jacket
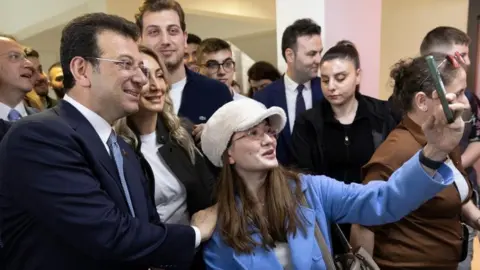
x=329 y=201
x=202 y=97
x=62 y=204
x=274 y=95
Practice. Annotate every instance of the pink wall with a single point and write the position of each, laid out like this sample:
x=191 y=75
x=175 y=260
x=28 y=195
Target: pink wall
x=359 y=22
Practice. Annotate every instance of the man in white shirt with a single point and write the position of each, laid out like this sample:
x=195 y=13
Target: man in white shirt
x=300 y=87
x=73 y=194
x=16 y=79
x=215 y=59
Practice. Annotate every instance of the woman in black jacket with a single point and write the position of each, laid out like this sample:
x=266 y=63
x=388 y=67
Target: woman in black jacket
x=341 y=132
x=180 y=182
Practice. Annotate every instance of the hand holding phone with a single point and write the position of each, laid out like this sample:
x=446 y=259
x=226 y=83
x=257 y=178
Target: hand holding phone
x=439 y=87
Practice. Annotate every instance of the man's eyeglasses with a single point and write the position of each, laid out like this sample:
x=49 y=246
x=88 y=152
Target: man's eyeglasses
x=214 y=66
x=125 y=65
x=15 y=57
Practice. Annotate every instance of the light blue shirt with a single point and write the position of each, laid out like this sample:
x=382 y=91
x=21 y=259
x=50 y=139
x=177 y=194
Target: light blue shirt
x=376 y=203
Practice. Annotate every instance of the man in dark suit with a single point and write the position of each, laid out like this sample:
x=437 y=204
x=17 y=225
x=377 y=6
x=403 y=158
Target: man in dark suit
x=4 y=126
x=72 y=194
x=16 y=79
x=163 y=28
x=300 y=87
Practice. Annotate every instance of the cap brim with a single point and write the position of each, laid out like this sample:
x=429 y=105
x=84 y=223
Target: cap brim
x=276 y=117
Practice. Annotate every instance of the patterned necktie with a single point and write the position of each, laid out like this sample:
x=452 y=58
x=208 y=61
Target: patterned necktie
x=14 y=115
x=300 y=105
x=116 y=153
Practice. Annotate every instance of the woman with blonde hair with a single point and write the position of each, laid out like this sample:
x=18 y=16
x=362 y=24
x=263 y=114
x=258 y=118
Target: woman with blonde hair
x=179 y=180
x=268 y=217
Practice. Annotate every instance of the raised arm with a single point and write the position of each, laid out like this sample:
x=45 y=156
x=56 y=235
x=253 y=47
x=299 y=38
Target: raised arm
x=381 y=202
x=65 y=197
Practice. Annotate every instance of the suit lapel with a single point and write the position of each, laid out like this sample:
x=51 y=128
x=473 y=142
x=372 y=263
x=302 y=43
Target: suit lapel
x=79 y=123
x=317 y=93
x=280 y=99
x=132 y=176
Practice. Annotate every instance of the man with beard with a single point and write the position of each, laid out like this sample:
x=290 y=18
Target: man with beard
x=55 y=78
x=300 y=87
x=163 y=29
x=38 y=98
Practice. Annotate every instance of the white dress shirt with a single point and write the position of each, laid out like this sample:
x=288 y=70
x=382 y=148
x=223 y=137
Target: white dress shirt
x=103 y=129
x=176 y=94
x=5 y=110
x=170 y=194
x=237 y=96
x=291 y=95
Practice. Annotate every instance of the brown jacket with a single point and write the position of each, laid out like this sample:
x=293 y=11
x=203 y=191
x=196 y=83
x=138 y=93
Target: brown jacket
x=429 y=237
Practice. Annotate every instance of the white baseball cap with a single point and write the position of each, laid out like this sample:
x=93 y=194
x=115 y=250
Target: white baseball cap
x=235 y=116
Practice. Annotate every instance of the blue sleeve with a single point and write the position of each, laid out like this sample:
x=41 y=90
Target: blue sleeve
x=66 y=198
x=381 y=202
x=216 y=254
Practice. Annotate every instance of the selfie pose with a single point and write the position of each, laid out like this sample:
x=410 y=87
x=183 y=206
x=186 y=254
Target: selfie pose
x=432 y=236
x=267 y=215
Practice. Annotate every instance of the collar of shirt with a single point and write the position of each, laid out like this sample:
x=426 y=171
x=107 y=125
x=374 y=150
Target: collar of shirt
x=101 y=126
x=5 y=110
x=291 y=85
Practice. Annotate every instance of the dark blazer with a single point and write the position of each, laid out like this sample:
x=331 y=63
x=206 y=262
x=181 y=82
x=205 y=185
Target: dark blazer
x=68 y=211
x=4 y=126
x=202 y=97
x=197 y=178
x=308 y=135
x=274 y=95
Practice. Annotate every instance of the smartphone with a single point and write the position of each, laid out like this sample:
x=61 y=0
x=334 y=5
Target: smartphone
x=439 y=87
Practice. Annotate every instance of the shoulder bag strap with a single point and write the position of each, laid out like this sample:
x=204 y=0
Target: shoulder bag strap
x=327 y=256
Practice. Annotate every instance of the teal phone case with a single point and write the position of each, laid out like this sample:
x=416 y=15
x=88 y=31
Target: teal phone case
x=439 y=87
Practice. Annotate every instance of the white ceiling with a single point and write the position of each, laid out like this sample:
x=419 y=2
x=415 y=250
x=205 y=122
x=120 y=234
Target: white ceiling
x=204 y=25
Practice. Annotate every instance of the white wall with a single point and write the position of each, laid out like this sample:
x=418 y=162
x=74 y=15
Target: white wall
x=260 y=46
x=289 y=11
x=406 y=22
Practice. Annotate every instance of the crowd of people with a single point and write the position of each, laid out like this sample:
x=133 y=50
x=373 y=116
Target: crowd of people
x=139 y=150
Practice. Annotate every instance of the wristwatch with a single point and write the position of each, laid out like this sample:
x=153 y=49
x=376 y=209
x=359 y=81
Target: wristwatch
x=429 y=163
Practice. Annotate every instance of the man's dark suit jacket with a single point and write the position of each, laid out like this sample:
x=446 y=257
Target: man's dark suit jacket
x=274 y=95
x=4 y=126
x=62 y=204
x=202 y=97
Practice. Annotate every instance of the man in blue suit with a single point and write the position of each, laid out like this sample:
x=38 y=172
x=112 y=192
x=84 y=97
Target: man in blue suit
x=163 y=28
x=300 y=87
x=72 y=194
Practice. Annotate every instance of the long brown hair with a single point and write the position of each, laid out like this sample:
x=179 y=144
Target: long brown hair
x=239 y=216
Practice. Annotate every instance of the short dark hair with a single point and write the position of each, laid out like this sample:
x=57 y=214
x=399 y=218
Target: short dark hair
x=211 y=45
x=193 y=39
x=263 y=70
x=300 y=28
x=3 y=35
x=79 y=38
x=54 y=65
x=30 y=52
x=411 y=76
x=443 y=36
x=160 y=5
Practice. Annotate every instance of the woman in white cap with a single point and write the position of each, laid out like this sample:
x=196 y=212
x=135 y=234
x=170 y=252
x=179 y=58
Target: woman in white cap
x=267 y=215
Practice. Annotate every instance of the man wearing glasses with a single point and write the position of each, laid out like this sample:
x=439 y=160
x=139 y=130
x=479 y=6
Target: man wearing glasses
x=16 y=79
x=215 y=59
